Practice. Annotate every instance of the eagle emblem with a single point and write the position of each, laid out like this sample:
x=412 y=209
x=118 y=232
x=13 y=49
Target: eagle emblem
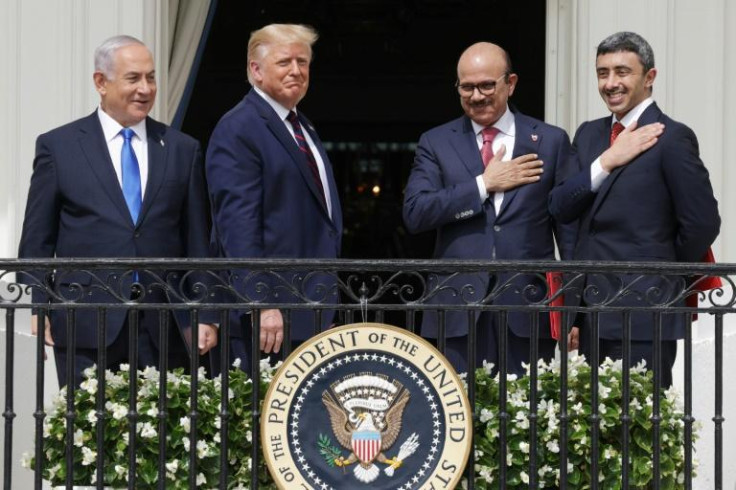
x=365 y=414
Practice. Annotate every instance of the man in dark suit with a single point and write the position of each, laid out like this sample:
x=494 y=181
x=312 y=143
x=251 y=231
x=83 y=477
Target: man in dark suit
x=273 y=191
x=115 y=184
x=641 y=194
x=482 y=181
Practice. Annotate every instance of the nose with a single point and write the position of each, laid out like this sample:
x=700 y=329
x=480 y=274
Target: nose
x=476 y=95
x=611 y=81
x=294 y=68
x=146 y=86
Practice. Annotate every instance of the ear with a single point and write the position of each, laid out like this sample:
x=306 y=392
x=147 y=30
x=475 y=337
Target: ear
x=649 y=78
x=255 y=71
x=100 y=82
x=513 y=78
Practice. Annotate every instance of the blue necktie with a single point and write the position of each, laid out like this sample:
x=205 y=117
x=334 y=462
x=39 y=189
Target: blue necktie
x=131 y=175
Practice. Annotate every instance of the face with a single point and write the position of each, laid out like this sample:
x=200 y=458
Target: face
x=481 y=64
x=283 y=73
x=128 y=95
x=622 y=82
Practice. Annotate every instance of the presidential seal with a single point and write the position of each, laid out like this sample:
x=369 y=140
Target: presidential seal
x=366 y=406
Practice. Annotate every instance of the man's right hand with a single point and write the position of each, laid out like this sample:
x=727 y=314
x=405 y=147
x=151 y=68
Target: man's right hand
x=502 y=176
x=272 y=330
x=48 y=339
x=629 y=144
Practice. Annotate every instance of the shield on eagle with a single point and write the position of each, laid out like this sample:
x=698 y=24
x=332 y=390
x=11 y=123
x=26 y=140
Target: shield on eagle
x=366 y=445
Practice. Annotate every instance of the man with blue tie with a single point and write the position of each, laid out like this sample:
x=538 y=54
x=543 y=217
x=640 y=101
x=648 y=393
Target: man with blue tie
x=641 y=193
x=482 y=182
x=116 y=184
x=273 y=192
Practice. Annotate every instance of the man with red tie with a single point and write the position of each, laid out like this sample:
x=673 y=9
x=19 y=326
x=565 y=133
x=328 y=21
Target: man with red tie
x=482 y=182
x=642 y=194
x=273 y=192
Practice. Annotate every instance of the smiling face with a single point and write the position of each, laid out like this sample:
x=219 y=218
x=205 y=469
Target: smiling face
x=283 y=72
x=128 y=93
x=622 y=81
x=483 y=63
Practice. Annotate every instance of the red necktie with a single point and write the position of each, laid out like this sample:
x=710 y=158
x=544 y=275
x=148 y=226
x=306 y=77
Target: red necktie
x=304 y=148
x=616 y=130
x=486 y=151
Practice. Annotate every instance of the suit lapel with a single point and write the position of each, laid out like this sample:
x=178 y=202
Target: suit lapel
x=157 y=161
x=527 y=140
x=94 y=147
x=278 y=129
x=603 y=136
x=465 y=143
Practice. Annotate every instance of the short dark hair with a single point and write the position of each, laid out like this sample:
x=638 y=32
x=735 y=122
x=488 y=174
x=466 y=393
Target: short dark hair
x=628 y=41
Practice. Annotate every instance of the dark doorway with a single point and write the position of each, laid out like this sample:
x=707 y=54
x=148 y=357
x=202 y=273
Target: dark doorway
x=383 y=73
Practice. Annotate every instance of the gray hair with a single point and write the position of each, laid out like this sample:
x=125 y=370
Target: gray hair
x=105 y=53
x=628 y=41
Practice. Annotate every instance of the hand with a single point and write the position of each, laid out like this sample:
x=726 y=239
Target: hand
x=48 y=339
x=631 y=143
x=207 y=337
x=503 y=176
x=573 y=339
x=272 y=330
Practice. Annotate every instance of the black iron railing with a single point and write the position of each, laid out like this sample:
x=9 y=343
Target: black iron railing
x=396 y=292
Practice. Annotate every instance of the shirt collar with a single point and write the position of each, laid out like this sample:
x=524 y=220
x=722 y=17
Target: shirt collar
x=634 y=114
x=280 y=110
x=111 y=128
x=506 y=124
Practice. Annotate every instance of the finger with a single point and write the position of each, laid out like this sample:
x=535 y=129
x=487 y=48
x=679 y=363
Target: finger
x=529 y=157
x=48 y=338
x=279 y=339
x=498 y=156
x=263 y=338
x=270 y=339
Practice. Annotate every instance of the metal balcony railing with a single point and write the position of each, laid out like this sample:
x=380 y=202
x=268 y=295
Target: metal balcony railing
x=392 y=291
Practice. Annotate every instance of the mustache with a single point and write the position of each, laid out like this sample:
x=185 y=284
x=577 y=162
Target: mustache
x=480 y=103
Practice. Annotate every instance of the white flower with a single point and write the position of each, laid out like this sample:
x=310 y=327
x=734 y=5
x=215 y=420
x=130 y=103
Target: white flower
x=203 y=449
x=553 y=446
x=25 y=460
x=92 y=417
x=119 y=411
x=171 y=469
x=201 y=479
x=152 y=412
x=54 y=470
x=485 y=415
x=89 y=385
x=88 y=456
x=524 y=447
x=187 y=443
x=524 y=477
x=79 y=438
x=148 y=431
x=120 y=469
x=185 y=423
x=125 y=368
x=237 y=362
x=90 y=371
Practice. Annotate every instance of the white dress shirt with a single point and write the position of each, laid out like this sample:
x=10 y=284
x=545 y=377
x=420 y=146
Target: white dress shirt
x=283 y=113
x=506 y=126
x=111 y=129
x=597 y=174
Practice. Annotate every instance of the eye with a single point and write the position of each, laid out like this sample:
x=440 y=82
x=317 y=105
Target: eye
x=466 y=87
x=487 y=86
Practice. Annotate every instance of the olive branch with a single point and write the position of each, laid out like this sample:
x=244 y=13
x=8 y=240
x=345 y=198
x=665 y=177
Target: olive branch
x=327 y=450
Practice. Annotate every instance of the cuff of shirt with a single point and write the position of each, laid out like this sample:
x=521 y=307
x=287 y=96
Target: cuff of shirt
x=597 y=175
x=482 y=191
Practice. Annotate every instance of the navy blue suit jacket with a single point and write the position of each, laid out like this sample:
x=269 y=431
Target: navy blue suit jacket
x=266 y=205
x=658 y=208
x=442 y=194
x=76 y=208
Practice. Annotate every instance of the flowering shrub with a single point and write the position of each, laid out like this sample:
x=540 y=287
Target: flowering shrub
x=147 y=444
x=487 y=425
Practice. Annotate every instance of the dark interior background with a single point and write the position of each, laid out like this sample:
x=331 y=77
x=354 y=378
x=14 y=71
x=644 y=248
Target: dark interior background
x=383 y=72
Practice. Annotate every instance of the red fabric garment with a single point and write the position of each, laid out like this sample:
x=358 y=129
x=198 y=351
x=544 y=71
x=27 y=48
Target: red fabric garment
x=554 y=281
x=703 y=283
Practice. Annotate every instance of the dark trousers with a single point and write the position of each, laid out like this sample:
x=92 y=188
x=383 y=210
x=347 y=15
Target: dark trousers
x=640 y=350
x=488 y=347
x=118 y=352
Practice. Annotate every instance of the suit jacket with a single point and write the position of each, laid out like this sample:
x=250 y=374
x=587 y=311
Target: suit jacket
x=76 y=208
x=442 y=194
x=267 y=205
x=658 y=208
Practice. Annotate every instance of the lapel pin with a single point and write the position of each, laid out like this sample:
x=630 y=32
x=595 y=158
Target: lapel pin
x=162 y=142
x=535 y=137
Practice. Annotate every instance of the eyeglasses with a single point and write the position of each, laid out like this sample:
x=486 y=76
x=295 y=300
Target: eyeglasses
x=485 y=88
